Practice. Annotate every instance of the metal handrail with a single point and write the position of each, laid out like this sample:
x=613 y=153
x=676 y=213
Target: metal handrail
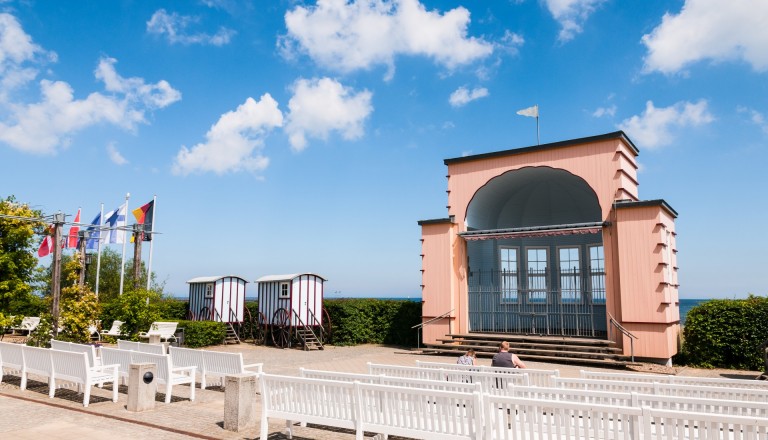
x=626 y=333
x=317 y=324
x=418 y=327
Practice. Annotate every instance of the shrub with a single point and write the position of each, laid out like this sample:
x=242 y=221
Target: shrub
x=203 y=333
x=726 y=334
x=172 y=309
x=137 y=309
x=373 y=321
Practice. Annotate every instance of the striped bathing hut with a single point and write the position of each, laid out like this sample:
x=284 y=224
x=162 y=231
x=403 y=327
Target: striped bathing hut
x=217 y=298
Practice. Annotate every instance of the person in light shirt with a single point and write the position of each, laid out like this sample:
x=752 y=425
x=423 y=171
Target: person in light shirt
x=467 y=359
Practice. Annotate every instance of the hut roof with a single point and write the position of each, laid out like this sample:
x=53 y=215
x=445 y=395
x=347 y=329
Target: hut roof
x=213 y=279
x=286 y=277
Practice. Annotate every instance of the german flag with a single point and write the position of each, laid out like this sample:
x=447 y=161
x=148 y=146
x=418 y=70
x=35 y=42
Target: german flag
x=144 y=216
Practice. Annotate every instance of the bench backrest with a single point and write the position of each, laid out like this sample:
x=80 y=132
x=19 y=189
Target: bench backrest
x=618 y=386
x=12 y=355
x=141 y=346
x=694 y=404
x=163 y=329
x=517 y=418
x=629 y=377
x=679 y=380
x=316 y=400
x=536 y=376
x=187 y=357
x=69 y=365
x=38 y=360
x=223 y=363
x=491 y=383
x=667 y=424
x=707 y=392
x=339 y=376
x=89 y=350
x=163 y=362
x=110 y=356
x=418 y=412
x=401 y=371
x=457 y=387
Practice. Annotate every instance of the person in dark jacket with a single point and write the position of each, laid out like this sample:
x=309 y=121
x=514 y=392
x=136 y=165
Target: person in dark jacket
x=506 y=359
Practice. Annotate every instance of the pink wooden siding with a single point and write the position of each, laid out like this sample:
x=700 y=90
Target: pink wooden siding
x=648 y=278
x=653 y=340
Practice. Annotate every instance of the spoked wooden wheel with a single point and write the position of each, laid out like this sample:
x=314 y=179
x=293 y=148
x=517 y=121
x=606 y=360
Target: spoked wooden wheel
x=259 y=329
x=327 y=328
x=281 y=328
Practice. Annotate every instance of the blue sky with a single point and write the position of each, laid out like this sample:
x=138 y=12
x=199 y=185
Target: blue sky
x=289 y=136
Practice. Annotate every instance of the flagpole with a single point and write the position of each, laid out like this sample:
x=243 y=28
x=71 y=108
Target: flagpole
x=122 y=264
x=98 y=250
x=538 y=138
x=152 y=239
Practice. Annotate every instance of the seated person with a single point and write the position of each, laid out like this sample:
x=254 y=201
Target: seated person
x=506 y=359
x=467 y=359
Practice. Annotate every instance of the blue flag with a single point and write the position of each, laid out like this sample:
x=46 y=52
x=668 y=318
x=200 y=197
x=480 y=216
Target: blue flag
x=92 y=233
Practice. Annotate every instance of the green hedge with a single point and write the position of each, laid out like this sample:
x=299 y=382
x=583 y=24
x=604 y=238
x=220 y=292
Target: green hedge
x=373 y=321
x=726 y=334
x=203 y=333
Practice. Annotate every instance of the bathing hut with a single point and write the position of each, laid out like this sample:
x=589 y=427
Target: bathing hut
x=289 y=304
x=217 y=298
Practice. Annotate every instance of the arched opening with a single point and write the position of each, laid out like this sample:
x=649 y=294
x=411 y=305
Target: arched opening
x=535 y=255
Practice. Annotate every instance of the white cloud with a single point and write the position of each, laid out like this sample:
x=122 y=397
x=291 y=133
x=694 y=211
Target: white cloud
x=45 y=126
x=320 y=106
x=710 y=30
x=360 y=34
x=571 y=14
x=175 y=28
x=755 y=117
x=114 y=155
x=656 y=127
x=234 y=142
x=604 y=111
x=16 y=51
x=463 y=96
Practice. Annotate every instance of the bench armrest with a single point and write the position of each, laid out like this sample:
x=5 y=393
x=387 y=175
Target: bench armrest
x=258 y=366
x=104 y=368
x=191 y=369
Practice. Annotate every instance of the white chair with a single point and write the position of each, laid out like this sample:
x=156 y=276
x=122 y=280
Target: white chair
x=163 y=331
x=28 y=324
x=114 y=331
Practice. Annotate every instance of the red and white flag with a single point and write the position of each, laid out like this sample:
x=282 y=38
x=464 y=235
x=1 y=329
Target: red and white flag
x=72 y=236
x=46 y=247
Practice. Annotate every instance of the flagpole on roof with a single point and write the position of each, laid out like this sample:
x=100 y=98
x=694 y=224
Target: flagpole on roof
x=532 y=112
x=122 y=264
x=98 y=249
x=152 y=239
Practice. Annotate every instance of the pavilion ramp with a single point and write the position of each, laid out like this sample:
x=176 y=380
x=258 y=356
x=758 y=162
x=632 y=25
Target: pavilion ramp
x=556 y=349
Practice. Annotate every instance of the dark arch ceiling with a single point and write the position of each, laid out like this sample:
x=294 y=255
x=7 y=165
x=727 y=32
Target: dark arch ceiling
x=533 y=196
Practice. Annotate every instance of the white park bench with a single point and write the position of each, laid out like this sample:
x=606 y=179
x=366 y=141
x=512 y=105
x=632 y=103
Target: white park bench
x=538 y=377
x=660 y=424
x=36 y=361
x=167 y=373
x=680 y=380
x=508 y=418
x=142 y=347
x=212 y=363
x=12 y=361
x=694 y=391
x=74 y=367
x=162 y=331
x=418 y=412
x=443 y=385
x=90 y=350
x=492 y=382
x=299 y=399
x=657 y=401
x=113 y=331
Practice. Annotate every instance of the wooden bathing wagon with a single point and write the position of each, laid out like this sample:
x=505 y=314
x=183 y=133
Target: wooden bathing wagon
x=217 y=298
x=291 y=308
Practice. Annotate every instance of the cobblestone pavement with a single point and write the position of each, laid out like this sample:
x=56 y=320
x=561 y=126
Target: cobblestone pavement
x=31 y=414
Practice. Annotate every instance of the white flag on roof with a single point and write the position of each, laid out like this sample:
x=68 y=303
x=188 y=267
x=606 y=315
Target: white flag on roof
x=530 y=111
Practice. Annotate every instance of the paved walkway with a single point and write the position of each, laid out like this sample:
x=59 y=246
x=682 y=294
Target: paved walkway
x=31 y=414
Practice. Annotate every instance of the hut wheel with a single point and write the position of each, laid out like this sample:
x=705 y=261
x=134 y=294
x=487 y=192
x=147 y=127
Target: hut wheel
x=327 y=327
x=260 y=329
x=281 y=328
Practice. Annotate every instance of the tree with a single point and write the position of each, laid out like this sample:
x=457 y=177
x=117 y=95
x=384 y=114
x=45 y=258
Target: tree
x=79 y=305
x=17 y=247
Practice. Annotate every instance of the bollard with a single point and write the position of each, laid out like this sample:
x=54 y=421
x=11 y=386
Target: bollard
x=240 y=402
x=142 y=386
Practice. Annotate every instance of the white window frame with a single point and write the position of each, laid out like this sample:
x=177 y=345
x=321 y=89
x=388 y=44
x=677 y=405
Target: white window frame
x=545 y=276
x=509 y=277
x=285 y=290
x=593 y=274
x=576 y=292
